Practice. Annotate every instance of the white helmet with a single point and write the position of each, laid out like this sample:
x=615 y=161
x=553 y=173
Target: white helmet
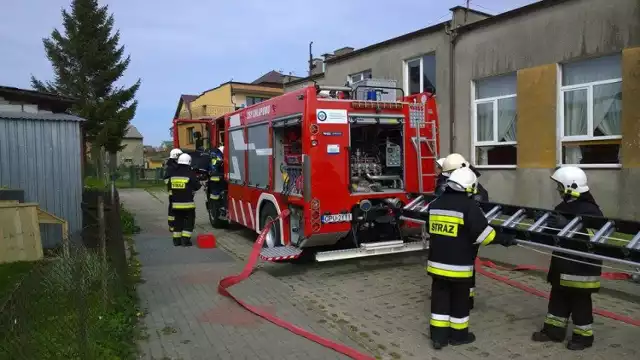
x=221 y=148
x=571 y=180
x=453 y=162
x=175 y=153
x=463 y=180
x=184 y=159
x=439 y=162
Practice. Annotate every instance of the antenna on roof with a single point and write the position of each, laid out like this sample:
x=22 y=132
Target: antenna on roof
x=466 y=12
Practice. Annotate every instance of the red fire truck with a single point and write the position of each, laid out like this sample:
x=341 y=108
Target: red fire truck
x=343 y=167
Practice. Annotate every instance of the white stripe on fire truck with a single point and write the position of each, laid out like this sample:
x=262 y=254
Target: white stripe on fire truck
x=244 y=219
x=250 y=225
x=235 y=211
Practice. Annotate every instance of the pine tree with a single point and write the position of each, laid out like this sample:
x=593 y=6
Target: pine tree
x=87 y=62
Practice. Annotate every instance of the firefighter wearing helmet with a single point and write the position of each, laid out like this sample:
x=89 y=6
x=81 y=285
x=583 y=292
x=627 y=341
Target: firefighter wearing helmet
x=182 y=186
x=451 y=163
x=456 y=226
x=573 y=278
x=215 y=184
x=170 y=166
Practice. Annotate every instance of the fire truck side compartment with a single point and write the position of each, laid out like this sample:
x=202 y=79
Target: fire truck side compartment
x=376 y=156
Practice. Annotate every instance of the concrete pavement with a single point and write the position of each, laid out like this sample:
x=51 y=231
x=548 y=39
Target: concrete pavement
x=382 y=303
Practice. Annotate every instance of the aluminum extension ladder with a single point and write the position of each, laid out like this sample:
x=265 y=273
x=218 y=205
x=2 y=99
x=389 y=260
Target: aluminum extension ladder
x=418 y=121
x=530 y=226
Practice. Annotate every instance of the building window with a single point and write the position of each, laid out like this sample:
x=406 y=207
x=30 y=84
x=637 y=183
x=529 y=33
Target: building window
x=190 y=133
x=591 y=111
x=494 y=121
x=252 y=100
x=354 y=78
x=420 y=75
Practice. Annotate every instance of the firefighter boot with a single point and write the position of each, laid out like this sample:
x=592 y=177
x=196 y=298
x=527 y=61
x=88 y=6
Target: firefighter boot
x=470 y=337
x=548 y=335
x=177 y=238
x=579 y=342
x=438 y=345
x=186 y=241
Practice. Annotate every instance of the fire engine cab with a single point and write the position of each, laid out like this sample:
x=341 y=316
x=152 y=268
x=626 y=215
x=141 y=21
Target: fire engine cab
x=344 y=162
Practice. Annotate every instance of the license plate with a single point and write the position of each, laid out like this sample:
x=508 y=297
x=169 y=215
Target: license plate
x=336 y=218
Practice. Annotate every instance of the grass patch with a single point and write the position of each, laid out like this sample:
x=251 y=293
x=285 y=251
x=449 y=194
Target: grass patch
x=11 y=274
x=71 y=307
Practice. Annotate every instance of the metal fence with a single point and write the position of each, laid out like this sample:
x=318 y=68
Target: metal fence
x=77 y=303
x=134 y=176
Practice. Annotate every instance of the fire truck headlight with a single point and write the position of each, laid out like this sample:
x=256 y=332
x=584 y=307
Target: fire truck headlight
x=365 y=205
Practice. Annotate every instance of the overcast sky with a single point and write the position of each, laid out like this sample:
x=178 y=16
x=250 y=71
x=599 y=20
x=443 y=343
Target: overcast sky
x=185 y=47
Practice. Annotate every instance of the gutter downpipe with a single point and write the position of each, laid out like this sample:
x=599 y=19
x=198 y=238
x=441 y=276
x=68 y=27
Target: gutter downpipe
x=453 y=37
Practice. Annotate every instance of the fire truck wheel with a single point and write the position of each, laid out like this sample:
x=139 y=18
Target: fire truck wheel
x=267 y=214
x=214 y=209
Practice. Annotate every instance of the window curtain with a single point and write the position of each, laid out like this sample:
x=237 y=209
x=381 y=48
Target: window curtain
x=606 y=100
x=607 y=109
x=507 y=116
x=575 y=121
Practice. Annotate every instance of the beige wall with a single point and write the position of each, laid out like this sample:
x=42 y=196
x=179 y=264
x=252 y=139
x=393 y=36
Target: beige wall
x=532 y=45
x=134 y=150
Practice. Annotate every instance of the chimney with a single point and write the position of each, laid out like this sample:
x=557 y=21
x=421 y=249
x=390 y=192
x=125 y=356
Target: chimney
x=327 y=56
x=343 y=51
x=317 y=66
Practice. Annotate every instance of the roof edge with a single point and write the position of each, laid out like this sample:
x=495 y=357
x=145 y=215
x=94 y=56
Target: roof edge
x=395 y=40
x=301 y=80
x=523 y=10
x=459 y=7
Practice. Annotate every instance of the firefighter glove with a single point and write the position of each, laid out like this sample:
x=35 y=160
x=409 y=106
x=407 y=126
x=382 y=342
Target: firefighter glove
x=507 y=240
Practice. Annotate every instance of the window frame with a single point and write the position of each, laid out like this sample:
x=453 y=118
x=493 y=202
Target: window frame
x=405 y=72
x=361 y=73
x=561 y=138
x=190 y=138
x=474 y=125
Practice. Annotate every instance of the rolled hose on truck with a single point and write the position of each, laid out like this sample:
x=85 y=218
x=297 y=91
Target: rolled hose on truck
x=230 y=281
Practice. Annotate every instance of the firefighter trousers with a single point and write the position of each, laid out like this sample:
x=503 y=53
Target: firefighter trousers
x=170 y=217
x=449 y=310
x=183 y=226
x=563 y=302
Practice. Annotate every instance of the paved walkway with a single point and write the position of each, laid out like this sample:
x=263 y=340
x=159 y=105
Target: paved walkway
x=382 y=303
x=187 y=319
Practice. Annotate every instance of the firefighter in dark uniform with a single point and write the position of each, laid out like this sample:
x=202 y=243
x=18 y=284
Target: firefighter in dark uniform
x=456 y=226
x=215 y=184
x=451 y=163
x=572 y=283
x=170 y=167
x=183 y=184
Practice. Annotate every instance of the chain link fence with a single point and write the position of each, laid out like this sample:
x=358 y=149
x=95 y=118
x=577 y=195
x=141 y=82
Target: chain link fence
x=77 y=303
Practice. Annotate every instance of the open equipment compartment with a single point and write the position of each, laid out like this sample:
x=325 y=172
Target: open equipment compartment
x=287 y=156
x=376 y=154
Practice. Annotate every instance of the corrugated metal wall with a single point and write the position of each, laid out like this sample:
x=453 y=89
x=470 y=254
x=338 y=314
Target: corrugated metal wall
x=43 y=158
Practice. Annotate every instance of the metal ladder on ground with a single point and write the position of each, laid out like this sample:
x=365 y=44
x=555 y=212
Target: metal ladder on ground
x=534 y=227
x=418 y=122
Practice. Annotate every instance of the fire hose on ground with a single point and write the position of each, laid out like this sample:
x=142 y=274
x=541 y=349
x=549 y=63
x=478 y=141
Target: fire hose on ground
x=230 y=281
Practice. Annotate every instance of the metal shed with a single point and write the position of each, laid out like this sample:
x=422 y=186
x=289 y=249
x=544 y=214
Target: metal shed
x=41 y=153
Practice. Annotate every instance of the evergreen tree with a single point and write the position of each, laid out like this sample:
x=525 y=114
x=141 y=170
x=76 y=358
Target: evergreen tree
x=87 y=62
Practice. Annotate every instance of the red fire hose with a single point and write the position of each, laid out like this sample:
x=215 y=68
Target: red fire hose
x=230 y=281
x=482 y=263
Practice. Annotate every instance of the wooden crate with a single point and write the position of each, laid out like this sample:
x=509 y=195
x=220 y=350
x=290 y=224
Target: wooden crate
x=20 y=231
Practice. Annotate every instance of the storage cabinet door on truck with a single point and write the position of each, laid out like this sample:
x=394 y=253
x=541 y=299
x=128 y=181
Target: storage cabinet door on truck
x=329 y=153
